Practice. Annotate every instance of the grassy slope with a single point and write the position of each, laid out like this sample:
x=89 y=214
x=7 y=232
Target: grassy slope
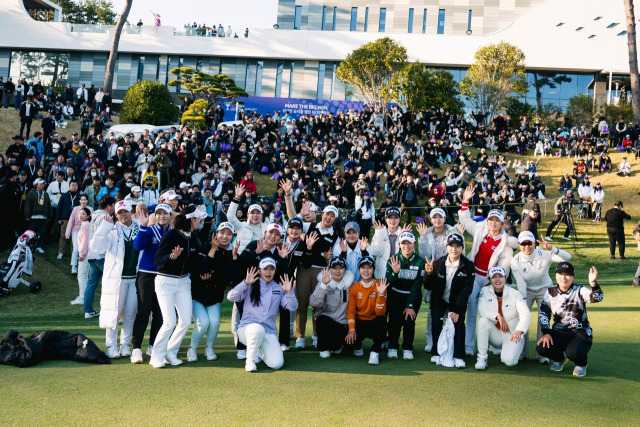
x=342 y=390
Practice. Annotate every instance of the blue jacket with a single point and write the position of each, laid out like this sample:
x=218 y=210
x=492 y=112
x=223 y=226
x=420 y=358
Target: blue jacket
x=147 y=241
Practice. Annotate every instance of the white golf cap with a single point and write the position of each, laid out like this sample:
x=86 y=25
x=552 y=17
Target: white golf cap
x=496 y=270
x=437 y=211
x=170 y=195
x=135 y=189
x=39 y=181
x=198 y=213
x=123 y=205
x=228 y=226
x=274 y=226
x=183 y=185
x=407 y=235
x=266 y=262
x=330 y=208
x=164 y=207
x=255 y=207
x=497 y=213
x=313 y=207
x=526 y=236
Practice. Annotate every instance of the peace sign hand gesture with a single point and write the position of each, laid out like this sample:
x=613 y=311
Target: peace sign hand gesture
x=252 y=276
x=175 y=253
x=395 y=264
x=235 y=248
x=382 y=286
x=428 y=266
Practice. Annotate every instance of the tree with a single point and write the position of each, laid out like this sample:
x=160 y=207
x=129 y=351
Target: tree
x=87 y=12
x=549 y=79
x=374 y=72
x=580 y=110
x=113 y=53
x=498 y=71
x=195 y=114
x=212 y=88
x=633 y=58
x=517 y=109
x=422 y=88
x=150 y=103
x=612 y=113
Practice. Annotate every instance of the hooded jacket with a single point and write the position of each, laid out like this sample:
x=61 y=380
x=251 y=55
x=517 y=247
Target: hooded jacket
x=332 y=299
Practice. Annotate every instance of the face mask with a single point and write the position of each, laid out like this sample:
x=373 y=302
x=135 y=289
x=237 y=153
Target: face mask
x=432 y=203
x=129 y=184
x=94 y=173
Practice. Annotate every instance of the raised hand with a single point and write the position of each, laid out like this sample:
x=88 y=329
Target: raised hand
x=108 y=218
x=175 y=253
x=286 y=283
x=377 y=225
x=422 y=229
x=395 y=264
x=284 y=250
x=326 y=275
x=364 y=243
x=252 y=276
x=407 y=227
x=593 y=276
x=286 y=185
x=235 y=248
x=546 y=245
x=143 y=217
x=468 y=194
x=260 y=246
x=382 y=286
x=428 y=266
x=311 y=239
x=461 y=228
x=306 y=208
x=343 y=245
x=214 y=242
x=239 y=191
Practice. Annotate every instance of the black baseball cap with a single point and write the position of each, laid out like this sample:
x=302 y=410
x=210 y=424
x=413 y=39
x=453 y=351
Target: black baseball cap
x=295 y=223
x=366 y=260
x=565 y=267
x=392 y=210
x=337 y=262
x=455 y=239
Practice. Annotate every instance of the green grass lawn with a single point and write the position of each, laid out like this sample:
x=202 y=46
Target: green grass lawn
x=343 y=390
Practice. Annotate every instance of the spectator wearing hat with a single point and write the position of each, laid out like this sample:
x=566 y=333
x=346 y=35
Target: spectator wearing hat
x=504 y=320
x=171 y=198
x=17 y=149
x=530 y=218
x=450 y=279
x=148 y=192
x=118 y=298
x=570 y=336
x=491 y=247
x=366 y=309
x=330 y=299
x=615 y=228
x=164 y=168
x=134 y=197
x=530 y=268
x=365 y=214
x=584 y=194
x=37 y=211
x=404 y=275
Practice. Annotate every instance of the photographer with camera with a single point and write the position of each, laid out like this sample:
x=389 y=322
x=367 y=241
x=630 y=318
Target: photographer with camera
x=562 y=210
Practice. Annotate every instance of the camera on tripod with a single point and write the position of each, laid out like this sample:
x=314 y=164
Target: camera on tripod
x=566 y=204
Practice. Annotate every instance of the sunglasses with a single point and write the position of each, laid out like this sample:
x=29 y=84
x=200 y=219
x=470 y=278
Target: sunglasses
x=527 y=243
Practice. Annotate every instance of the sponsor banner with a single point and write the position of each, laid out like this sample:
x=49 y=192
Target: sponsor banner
x=296 y=107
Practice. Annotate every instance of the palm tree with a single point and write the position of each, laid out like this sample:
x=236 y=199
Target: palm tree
x=113 y=53
x=633 y=58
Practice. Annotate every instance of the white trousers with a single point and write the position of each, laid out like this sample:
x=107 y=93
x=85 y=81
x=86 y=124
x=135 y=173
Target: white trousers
x=257 y=341
x=472 y=313
x=83 y=276
x=74 y=251
x=174 y=294
x=127 y=305
x=532 y=296
x=489 y=334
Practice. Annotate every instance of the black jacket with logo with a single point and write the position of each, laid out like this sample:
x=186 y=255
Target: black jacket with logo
x=461 y=285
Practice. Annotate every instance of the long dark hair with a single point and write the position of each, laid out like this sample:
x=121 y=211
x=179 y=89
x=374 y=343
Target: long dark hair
x=255 y=293
x=181 y=222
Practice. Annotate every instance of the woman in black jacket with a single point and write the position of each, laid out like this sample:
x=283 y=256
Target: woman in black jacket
x=174 y=258
x=450 y=280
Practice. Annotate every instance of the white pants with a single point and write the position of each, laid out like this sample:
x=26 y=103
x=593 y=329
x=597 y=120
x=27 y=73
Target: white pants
x=256 y=340
x=83 y=276
x=235 y=321
x=489 y=334
x=538 y=150
x=74 y=251
x=127 y=305
x=174 y=294
x=532 y=296
x=472 y=313
x=428 y=333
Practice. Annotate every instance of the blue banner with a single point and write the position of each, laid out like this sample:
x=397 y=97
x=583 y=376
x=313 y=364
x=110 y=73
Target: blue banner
x=296 y=107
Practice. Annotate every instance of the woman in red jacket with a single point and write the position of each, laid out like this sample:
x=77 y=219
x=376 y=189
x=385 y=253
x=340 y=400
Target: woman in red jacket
x=249 y=183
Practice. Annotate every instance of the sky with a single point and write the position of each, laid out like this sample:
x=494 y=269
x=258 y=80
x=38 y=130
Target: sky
x=230 y=12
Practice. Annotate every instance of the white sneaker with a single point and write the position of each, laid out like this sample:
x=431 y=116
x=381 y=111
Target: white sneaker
x=542 y=360
x=427 y=348
x=284 y=347
x=78 y=301
x=374 y=358
x=338 y=351
x=59 y=256
x=40 y=250
x=192 y=356
x=91 y=314
x=300 y=343
x=136 y=356
x=125 y=350
x=495 y=350
x=435 y=359
x=392 y=353
x=209 y=354
x=358 y=353
x=565 y=238
x=481 y=364
x=249 y=366
x=74 y=270
x=325 y=354
x=149 y=350
x=407 y=355
x=113 y=352
x=548 y=239
x=172 y=360
x=385 y=345
x=157 y=365
x=315 y=341
x=241 y=354
x=459 y=363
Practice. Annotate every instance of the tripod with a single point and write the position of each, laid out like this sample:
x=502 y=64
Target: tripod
x=567 y=218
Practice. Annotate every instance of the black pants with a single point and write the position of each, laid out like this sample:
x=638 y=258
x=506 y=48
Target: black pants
x=576 y=345
x=84 y=133
x=616 y=235
x=556 y=221
x=240 y=307
x=438 y=309
x=396 y=303
x=365 y=227
x=284 y=333
x=408 y=206
x=28 y=125
x=374 y=329
x=331 y=334
x=38 y=226
x=147 y=304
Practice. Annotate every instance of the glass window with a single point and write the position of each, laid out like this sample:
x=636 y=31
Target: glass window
x=613 y=24
x=140 y=69
x=579 y=28
x=366 y=19
x=622 y=33
x=569 y=87
x=354 y=19
x=297 y=20
x=199 y=63
x=324 y=18
x=321 y=72
x=335 y=16
x=410 y=24
x=441 y=16
x=383 y=19
x=469 y=19
x=424 y=21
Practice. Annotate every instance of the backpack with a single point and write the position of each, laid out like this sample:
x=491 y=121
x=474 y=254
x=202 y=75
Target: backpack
x=605 y=129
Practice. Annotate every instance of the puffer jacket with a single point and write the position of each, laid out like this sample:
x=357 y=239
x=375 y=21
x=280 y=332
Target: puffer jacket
x=332 y=299
x=243 y=228
x=514 y=308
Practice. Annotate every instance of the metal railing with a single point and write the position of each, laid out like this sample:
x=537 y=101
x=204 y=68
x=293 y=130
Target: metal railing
x=99 y=28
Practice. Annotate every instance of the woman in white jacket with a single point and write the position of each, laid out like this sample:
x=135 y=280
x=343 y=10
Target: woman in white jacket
x=504 y=319
x=119 y=295
x=530 y=268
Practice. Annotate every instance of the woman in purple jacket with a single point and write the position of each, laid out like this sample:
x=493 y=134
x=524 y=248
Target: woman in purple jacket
x=262 y=299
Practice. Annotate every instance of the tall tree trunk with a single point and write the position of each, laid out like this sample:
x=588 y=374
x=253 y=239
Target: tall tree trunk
x=113 y=53
x=633 y=59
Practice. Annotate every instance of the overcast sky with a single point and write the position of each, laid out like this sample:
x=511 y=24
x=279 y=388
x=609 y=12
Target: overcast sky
x=263 y=13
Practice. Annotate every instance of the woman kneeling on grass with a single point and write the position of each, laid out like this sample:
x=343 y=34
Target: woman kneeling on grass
x=571 y=332
x=504 y=318
x=262 y=297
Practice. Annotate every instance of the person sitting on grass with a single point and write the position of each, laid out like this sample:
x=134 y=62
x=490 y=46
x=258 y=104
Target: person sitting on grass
x=571 y=333
x=625 y=168
x=262 y=297
x=366 y=310
x=330 y=299
x=504 y=319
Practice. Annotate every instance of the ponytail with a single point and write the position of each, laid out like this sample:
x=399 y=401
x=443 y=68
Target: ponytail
x=255 y=293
